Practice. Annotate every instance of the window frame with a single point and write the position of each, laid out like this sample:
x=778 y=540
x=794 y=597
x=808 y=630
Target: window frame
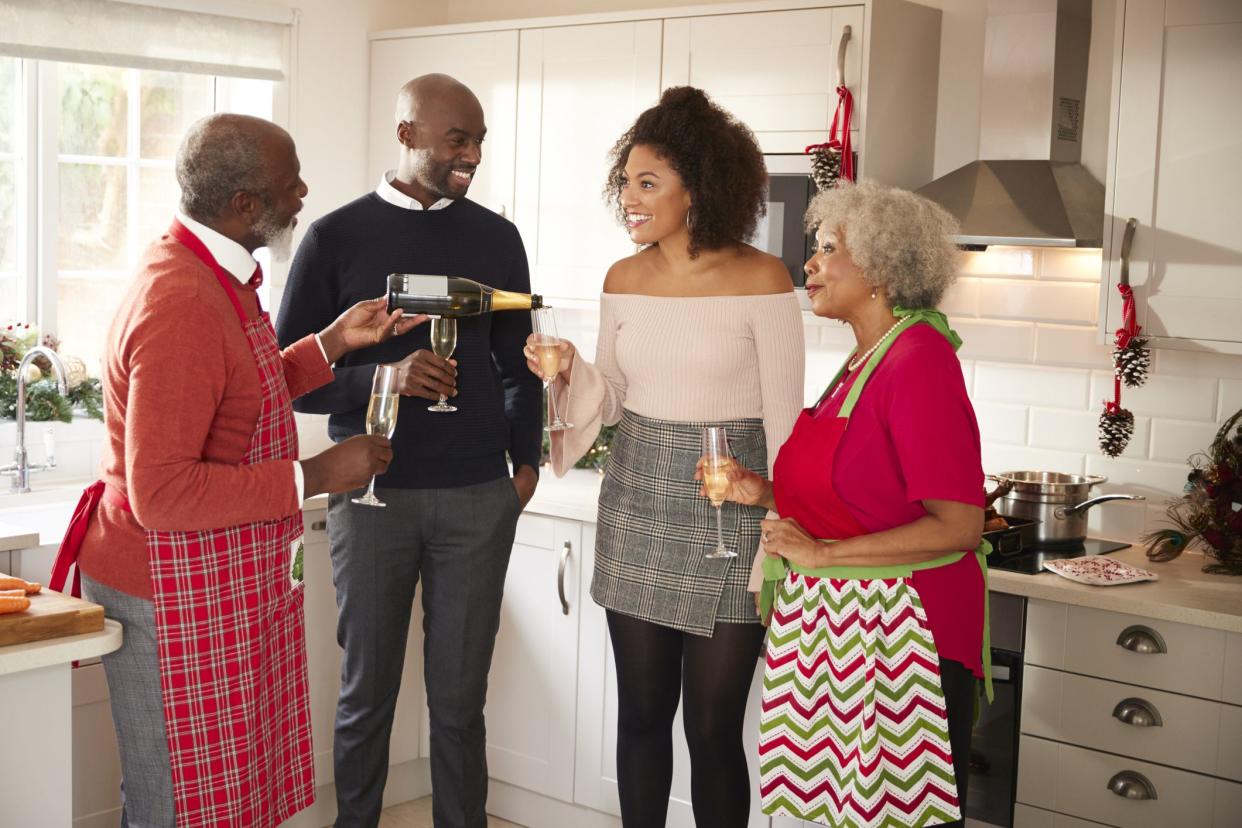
x=37 y=183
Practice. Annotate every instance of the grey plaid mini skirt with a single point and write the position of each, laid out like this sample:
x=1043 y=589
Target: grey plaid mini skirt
x=655 y=528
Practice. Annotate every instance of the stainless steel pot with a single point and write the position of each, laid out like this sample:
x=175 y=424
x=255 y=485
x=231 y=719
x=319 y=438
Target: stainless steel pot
x=1058 y=501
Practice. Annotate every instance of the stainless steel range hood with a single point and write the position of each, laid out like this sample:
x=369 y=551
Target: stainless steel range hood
x=1031 y=189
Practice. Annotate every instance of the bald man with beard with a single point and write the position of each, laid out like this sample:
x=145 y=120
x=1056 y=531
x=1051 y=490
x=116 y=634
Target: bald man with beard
x=452 y=502
x=187 y=537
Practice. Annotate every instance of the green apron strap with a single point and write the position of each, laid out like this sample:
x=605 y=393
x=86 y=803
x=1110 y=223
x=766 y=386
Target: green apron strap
x=981 y=554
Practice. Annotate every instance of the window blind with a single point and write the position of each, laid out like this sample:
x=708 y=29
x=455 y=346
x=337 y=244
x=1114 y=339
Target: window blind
x=145 y=36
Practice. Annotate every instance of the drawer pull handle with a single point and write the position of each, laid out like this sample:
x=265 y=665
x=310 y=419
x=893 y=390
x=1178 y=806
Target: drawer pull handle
x=319 y=525
x=560 y=577
x=1137 y=712
x=1132 y=785
x=1140 y=639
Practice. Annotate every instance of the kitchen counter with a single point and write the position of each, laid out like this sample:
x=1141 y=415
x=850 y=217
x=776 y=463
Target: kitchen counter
x=16 y=537
x=1184 y=592
x=36 y=695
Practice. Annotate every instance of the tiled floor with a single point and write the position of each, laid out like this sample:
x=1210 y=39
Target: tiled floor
x=417 y=814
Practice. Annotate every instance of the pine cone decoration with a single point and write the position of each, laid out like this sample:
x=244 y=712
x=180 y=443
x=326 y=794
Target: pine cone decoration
x=825 y=166
x=1116 y=429
x=1132 y=362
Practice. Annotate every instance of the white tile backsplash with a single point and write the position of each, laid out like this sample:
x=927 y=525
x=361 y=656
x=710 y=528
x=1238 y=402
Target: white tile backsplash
x=1000 y=423
x=1183 y=398
x=1033 y=385
x=1066 y=430
x=1039 y=301
x=1073 y=345
x=1176 y=440
x=991 y=340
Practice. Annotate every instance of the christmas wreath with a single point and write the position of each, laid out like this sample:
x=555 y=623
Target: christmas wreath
x=1210 y=510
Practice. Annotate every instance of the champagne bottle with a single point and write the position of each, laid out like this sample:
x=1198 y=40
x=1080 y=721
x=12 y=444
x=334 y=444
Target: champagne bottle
x=452 y=296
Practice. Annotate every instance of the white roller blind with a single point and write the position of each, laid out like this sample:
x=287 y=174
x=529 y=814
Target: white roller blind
x=144 y=36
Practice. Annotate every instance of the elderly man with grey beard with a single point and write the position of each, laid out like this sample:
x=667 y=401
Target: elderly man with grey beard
x=186 y=538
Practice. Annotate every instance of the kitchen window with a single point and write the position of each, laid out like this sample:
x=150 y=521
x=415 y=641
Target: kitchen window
x=87 y=182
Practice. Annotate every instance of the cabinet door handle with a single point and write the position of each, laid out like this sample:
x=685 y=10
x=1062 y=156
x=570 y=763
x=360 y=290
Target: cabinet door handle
x=1127 y=241
x=1142 y=640
x=319 y=525
x=560 y=576
x=1137 y=712
x=1132 y=785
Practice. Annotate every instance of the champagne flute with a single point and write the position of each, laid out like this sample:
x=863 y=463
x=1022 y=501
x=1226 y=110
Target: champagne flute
x=381 y=418
x=716 y=462
x=548 y=350
x=443 y=343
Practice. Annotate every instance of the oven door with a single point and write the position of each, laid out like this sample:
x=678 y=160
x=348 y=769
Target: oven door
x=780 y=232
x=994 y=742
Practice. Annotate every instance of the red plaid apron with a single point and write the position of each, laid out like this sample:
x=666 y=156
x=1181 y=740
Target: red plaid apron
x=231 y=636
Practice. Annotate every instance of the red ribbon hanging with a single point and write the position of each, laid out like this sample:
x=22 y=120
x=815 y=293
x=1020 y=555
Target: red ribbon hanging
x=839 y=139
x=1125 y=334
x=1129 y=328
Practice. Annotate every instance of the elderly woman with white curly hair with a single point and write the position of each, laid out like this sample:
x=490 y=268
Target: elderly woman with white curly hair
x=874 y=572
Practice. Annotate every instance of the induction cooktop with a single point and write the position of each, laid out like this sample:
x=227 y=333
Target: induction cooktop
x=1031 y=561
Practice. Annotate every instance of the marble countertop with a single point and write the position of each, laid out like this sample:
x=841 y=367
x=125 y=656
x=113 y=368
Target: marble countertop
x=16 y=658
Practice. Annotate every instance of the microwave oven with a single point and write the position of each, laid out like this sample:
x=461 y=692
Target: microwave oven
x=780 y=231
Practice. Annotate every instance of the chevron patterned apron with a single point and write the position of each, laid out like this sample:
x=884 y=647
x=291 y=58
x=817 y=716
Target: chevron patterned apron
x=854 y=730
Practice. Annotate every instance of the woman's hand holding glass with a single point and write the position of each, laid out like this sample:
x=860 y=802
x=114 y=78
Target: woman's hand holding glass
x=534 y=362
x=740 y=484
x=548 y=348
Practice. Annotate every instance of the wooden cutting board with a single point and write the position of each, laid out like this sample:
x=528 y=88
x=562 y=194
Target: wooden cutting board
x=51 y=615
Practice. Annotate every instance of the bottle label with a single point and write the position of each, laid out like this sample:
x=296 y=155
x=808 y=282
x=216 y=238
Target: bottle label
x=419 y=285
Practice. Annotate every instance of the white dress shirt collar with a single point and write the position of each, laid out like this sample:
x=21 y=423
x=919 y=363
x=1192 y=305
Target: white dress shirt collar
x=392 y=195
x=228 y=254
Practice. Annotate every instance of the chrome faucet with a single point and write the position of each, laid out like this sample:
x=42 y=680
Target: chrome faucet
x=20 y=469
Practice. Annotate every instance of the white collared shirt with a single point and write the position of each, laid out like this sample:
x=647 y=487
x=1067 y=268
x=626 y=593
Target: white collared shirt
x=228 y=254
x=393 y=196
x=239 y=264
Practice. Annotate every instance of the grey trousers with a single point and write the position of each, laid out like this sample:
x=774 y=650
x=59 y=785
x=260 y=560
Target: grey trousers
x=137 y=710
x=457 y=541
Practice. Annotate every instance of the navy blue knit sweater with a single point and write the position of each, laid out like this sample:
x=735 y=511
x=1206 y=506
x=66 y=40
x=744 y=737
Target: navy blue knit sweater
x=345 y=258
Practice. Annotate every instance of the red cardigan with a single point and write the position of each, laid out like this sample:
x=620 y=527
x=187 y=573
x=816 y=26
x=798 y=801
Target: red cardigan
x=181 y=399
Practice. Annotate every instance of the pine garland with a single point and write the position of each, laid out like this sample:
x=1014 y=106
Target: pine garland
x=596 y=456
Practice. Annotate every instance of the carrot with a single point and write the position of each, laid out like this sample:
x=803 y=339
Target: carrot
x=12 y=593
x=9 y=582
x=13 y=604
x=33 y=588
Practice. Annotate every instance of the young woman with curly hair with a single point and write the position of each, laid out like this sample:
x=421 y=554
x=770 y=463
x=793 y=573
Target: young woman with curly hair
x=698 y=328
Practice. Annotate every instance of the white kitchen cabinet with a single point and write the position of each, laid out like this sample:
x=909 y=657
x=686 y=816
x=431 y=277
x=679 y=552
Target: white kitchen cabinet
x=1115 y=702
x=789 y=103
x=596 y=786
x=323 y=660
x=484 y=61
x=776 y=70
x=530 y=700
x=1177 y=137
x=579 y=89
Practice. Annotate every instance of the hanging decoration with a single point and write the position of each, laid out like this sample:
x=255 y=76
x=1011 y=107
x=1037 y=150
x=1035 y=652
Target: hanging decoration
x=1131 y=360
x=833 y=160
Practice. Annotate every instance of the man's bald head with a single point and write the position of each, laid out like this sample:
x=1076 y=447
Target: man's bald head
x=223 y=154
x=440 y=128
x=434 y=93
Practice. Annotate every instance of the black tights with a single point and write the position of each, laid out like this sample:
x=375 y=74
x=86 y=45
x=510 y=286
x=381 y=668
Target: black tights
x=657 y=666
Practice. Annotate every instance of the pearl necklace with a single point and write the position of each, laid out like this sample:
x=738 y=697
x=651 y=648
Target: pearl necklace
x=855 y=363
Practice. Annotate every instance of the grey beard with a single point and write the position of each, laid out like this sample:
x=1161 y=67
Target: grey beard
x=278 y=240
